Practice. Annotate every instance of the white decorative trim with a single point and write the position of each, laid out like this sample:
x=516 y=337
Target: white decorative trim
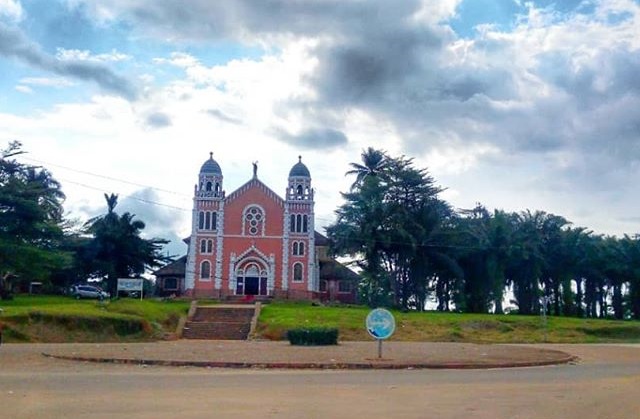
x=313 y=284
x=256 y=182
x=293 y=277
x=244 y=220
x=253 y=248
x=271 y=275
x=232 y=270
x=285 y=250
x=190 y=268
x=200 y=278
x=219 y=245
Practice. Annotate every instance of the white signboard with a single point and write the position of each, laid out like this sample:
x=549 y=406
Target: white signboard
x=130 y=284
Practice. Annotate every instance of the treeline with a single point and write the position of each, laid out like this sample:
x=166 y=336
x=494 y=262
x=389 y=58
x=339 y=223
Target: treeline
x=37 y=243
x=413 y=247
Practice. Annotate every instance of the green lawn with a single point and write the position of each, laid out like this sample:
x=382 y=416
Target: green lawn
x=64 y=319
x=278 y=317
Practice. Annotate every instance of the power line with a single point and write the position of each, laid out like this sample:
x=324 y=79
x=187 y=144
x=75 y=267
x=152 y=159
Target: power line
x=106 y=177
x=146 y=201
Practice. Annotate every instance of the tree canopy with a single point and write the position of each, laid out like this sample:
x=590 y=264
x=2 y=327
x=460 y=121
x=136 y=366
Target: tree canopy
x=31 y=221
x=116 y=249
x=412 y=247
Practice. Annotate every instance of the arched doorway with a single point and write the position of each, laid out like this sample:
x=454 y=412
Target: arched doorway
x=251 y=279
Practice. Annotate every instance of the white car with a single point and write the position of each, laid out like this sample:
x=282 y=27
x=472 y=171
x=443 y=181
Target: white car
x=88 y=291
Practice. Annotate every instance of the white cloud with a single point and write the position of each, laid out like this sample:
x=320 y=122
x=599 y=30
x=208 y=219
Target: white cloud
x=63 y=54
x=24 y=89
x=11 y=10
x=57 y=82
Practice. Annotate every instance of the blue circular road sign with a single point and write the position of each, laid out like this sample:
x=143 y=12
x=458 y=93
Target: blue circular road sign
x=380 y=323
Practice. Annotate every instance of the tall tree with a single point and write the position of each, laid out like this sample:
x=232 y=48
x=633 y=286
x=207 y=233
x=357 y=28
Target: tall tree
x=30 y=221
x=391 y=215
x=116 y=249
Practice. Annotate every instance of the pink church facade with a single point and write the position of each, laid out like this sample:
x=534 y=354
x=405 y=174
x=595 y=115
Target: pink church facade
x=252 y=242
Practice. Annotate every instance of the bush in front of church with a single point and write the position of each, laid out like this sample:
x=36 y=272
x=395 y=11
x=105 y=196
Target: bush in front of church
x=311 y=336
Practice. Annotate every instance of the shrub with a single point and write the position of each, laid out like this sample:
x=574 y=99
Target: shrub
x=308 y=336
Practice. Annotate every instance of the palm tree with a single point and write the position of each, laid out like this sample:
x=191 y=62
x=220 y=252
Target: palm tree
x=374 y=163
x=117 y=250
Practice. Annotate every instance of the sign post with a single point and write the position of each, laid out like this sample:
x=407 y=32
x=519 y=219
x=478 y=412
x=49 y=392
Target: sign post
x=380 y=325
x=130 y=284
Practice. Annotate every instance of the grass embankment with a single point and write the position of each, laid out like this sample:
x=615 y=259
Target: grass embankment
x=63 y=319
x=278 y=317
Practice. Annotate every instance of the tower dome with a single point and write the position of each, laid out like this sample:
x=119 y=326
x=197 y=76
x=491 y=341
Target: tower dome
x=299 y=169
x=210 y=166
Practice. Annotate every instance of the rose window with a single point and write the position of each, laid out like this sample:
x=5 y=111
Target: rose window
x=254 y=220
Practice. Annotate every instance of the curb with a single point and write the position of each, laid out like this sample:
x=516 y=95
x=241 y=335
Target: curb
x=314 y=365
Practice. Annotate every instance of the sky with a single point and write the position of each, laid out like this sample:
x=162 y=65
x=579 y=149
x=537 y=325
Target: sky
x=510 y=103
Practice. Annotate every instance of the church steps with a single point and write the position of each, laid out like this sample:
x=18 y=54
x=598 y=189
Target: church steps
x=220 y=323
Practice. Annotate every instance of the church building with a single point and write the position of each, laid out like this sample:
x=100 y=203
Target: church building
x=252 y=242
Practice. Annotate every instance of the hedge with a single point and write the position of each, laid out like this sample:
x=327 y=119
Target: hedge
x=308 y=336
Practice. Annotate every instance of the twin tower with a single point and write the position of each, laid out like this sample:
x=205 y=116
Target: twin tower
x=252 y=242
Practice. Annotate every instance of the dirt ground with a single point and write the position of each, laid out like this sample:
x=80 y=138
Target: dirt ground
x=354 y=355
x=604 y=383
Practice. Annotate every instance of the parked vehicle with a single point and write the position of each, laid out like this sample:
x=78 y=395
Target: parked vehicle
x=88 y=291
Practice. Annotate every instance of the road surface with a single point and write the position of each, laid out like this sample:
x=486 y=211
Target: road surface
x=604 y=384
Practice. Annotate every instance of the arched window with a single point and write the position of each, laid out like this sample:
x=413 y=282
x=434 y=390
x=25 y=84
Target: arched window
x=208 y=189
x=209 y=246
x=299 y=223
x=203 y=246
x=205 y=270
x=217 y=188
x=201 y=220
x=297 y=272
x=214 y=221
x=253 y=221
x=299 y=190
x=207 y=221
x=298 y=249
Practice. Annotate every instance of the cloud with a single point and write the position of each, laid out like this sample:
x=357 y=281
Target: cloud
x=12 y=10
x=313 y=138
x=14 y=43
x=57 y=82
x=160 y=221
x=158 y=120
x=218 y=114
x=24 y=89
x=63 y=54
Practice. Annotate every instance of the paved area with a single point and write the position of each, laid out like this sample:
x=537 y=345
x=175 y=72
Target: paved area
x=604 y=383
x=347 y=355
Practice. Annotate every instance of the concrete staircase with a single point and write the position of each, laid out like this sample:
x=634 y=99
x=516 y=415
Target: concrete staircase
x=224 y=322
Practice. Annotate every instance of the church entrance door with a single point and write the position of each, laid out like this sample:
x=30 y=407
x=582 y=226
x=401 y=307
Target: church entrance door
x=251 y=281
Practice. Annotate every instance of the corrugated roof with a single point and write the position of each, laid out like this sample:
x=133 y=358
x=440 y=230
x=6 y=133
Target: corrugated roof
x=177 y=268
x=332 y=269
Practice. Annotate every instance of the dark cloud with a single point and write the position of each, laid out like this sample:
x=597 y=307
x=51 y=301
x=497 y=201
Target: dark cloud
x=158 y=120
x=376 y=57
x=218 y=114
x=313 y=138
x=14 y=43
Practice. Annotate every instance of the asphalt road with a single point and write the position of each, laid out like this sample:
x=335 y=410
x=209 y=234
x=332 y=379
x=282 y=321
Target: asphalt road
x=604 y=384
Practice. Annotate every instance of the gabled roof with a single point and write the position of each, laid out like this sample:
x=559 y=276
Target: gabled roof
x=320 y=239
x=178 y=268
x=332 y=269
x=255 y=182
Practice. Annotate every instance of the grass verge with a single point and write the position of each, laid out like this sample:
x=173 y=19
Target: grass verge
x=63 y=319
x=278 y=317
